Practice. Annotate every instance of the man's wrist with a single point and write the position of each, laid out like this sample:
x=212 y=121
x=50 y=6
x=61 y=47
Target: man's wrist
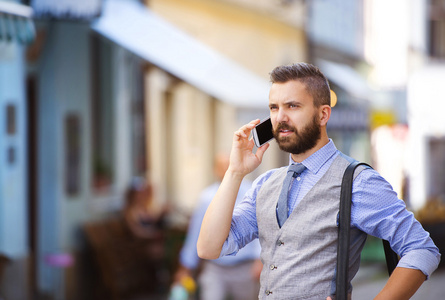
x=234 y=174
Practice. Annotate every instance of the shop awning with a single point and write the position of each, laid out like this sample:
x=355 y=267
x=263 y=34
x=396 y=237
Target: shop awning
x=16 y=23
x=134 y=27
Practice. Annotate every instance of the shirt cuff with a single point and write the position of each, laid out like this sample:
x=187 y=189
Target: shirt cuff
x=229 y=248
x=421 y=259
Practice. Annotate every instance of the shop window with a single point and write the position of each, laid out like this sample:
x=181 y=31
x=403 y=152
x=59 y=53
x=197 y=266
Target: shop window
x=11 y=119
x=437 y=29
x=436 y=167
x=72 y=154
x=102 y=134
x=138 y=133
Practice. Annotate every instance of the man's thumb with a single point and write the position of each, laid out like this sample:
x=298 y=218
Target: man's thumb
x=260 y=151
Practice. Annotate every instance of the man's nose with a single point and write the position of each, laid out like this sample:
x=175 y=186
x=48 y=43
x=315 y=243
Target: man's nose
x=281 y=116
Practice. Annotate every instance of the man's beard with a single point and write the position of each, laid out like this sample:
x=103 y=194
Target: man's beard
x=298 y=143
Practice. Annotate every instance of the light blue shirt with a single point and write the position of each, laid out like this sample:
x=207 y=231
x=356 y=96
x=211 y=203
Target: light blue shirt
x=376 y=210
x=189 y=255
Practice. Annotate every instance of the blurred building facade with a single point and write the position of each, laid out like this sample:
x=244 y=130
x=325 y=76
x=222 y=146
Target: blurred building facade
x=336 y=34
x=380 y=58
x=425 y=101
x=257 y=35
x=17 y=31
x=108 y=91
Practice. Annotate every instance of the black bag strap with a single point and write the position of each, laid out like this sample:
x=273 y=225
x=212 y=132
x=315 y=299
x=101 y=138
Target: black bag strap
x=392 y=259
x=344 y=235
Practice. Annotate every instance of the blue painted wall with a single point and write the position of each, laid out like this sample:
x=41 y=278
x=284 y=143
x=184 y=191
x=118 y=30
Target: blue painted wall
x=64 y=85
x=13 y=176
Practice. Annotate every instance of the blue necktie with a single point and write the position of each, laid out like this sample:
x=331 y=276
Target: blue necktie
x=282 y=208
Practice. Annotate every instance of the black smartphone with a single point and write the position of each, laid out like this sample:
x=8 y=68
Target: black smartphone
x=262 y=133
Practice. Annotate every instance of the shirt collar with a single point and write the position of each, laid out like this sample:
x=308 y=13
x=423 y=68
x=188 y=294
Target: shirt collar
x=319 y=158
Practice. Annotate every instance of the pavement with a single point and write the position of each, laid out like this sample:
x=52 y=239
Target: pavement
x=370 y=279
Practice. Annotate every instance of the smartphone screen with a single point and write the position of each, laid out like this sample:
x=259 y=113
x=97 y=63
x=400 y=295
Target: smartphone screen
x=262 y=133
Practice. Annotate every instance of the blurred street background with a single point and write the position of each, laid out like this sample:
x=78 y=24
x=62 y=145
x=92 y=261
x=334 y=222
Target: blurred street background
x=106 y=101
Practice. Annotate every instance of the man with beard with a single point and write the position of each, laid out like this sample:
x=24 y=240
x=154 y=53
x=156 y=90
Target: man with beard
x=299 y=253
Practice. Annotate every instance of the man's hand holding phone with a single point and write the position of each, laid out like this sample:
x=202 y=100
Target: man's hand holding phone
x=262 y=133
x=242 y=159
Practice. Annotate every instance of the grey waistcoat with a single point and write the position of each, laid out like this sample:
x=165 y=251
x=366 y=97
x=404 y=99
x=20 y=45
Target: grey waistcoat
x=300 y=258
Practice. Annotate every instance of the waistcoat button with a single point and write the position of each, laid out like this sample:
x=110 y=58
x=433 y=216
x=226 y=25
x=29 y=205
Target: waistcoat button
x=272 y=267
x=279 y=243
x=268 y=292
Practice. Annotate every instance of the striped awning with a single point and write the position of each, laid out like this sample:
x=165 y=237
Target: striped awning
x=16 y=23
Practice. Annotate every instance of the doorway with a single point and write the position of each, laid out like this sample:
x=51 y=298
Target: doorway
x=32 y=141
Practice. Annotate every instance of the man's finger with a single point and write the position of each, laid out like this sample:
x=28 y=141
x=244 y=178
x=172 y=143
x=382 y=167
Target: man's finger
x=260 y=151
x=245 y=130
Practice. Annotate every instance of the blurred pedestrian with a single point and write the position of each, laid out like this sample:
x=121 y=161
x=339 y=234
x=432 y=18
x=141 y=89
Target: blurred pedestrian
x=236 y=277
x=142 y=215
x=299 y=234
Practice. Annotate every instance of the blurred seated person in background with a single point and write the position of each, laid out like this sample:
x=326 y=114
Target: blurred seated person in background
x=142 y=215
x=236 y=276
x=145 y=219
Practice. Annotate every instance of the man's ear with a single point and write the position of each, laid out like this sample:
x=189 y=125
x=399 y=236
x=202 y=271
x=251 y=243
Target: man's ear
x=325 y=114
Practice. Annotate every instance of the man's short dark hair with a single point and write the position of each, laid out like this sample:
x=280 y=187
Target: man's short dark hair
x=316 y=83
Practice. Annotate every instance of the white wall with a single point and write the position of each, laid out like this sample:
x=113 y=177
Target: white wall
x=426 y=103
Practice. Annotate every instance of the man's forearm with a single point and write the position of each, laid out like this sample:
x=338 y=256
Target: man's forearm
x=402 y=284
x=216 y=223
x=215 y=226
